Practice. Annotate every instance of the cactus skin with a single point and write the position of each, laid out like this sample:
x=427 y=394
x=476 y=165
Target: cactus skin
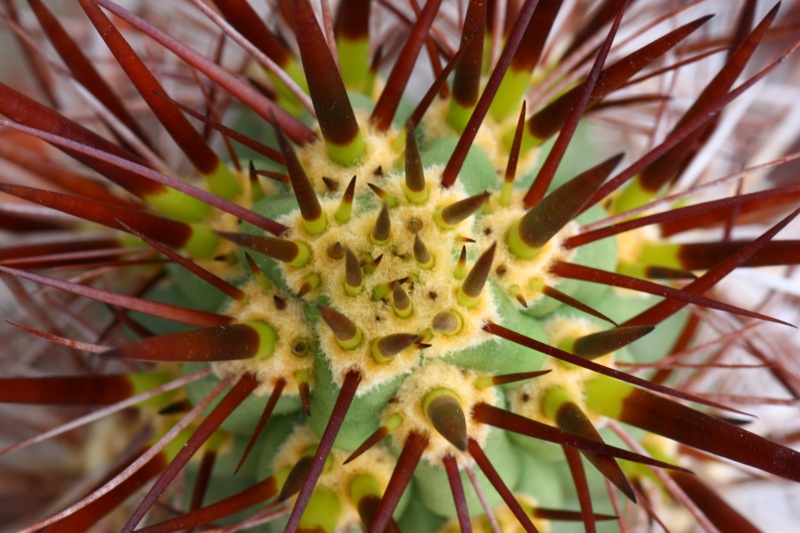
x=409 y=326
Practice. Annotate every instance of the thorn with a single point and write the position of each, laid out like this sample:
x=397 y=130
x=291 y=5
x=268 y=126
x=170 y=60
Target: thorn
x=661 y=272
x=385 y=108
x=294 y=253
x=415 y=190
x=604 y=342
x=294 y=481
x=392 y=423
x=456 y=487
x=560 y=407
x=343 y=140
x=330 y=183
x=310 y=282
x=499 y=485
x=385 y=197
x=522 y=301
x=484 y=382
x=353 y=277
x=383 y=290
x=507 y=189
x=401 y=303
x=470 y=291
x=444 y=411
x=305 y=396
x=421 y=254
x=336 y=250
x=460 y=271
x=404 y=468
x=216 y=343
x=345 y=209
x=256 y=190
x=314 y=219
x=348 y=391
x=547 y=217
x=572 y=302
x=385 y=348
x=447 y=322
x=262 y=421
x=448 y=217
x=346 y=332
x=383 y=228
x=372 y=265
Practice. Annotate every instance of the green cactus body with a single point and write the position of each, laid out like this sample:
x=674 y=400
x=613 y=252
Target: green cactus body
x=413 y=324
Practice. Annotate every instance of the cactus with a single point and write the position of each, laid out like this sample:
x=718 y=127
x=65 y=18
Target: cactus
x=385 y=310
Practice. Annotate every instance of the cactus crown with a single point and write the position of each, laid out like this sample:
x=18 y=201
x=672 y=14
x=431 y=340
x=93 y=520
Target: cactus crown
x=387 y=301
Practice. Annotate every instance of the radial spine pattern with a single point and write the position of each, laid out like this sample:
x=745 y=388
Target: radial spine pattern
x=285 y=280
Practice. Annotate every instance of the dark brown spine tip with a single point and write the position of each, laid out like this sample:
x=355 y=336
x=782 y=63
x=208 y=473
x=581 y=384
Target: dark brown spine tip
x=421 y=253
x=448 y=418
x=353 y=277
x=460 y=270
x=533 y=40
x=391 y=345
x=331 y=103
x=467 y=75
x=415 y=173
x=247 y=22
x=505 y=379
x=569 y=417
x=476 y=279
x=330 y=183
x=400 y=298
x=458 y=211
x=385 y=108
x=352 y=19
x=554 y=211
x=279 y=249
x=383 y=226
x=342 y=327
x=385 y=197
x=513 y=154
x=307 y=200
x=295 y=479
x=446 y=322
x=572 y=302
x=304 y=389
x=604 y=342
x=218 y=343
